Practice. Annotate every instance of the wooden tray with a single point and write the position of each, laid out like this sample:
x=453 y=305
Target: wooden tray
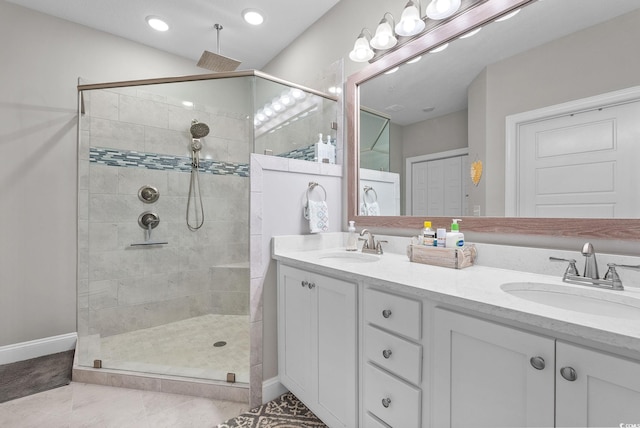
x=455 y=258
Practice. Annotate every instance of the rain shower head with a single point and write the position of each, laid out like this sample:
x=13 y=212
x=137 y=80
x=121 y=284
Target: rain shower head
x=198 y=129
x=215 y=61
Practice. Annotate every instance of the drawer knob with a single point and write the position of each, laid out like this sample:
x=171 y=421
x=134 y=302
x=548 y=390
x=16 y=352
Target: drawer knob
x=312 y=285
x=537 y=363
x=569 y=373
x=386 y=313
x=305 y=284
x=386 y=353
x=386 y=402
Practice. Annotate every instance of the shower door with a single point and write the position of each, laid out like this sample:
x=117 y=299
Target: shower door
x=156 y=295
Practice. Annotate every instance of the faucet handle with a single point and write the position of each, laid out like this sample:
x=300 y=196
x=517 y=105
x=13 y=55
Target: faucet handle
x=571 y=269
x=615 y=265
x=612 y=274
x=379 y=246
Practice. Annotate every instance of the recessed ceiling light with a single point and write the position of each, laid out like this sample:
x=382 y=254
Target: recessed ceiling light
x=393 y=70
x=253 y=16
x=157 y=24
x=187 y=103
x=414 y=60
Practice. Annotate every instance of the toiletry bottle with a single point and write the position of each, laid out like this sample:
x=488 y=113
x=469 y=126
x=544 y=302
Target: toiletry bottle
x=428 y=234
x=455 y=238
x=331 y=150
x=320 y=151
x=352 y=239
x=441 y=235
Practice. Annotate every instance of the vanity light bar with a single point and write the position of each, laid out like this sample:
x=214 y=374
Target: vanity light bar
x=412 y=23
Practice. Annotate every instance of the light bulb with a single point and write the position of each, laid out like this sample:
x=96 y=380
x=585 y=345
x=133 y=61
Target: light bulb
x=410 y=22
x=441 y=9
x=277 y=106
x=297 y=94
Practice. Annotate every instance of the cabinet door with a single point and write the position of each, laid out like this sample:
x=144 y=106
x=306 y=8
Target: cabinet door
x=605 y=392
x=483 y=375
x=295 y=331
x=336 y=351
x=317 y=343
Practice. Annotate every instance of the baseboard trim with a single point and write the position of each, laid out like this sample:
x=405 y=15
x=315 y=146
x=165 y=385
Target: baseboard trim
x=272 y=389
x=37 y=348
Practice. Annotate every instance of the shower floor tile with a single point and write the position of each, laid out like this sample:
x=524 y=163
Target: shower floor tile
x=182 y=348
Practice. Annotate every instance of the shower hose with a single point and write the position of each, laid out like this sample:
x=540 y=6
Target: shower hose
x=195 y=195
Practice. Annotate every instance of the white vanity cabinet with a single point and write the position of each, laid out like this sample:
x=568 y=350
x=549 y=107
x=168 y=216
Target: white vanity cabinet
x=483 y=374
x=392 y=366
x=491 y=375
x=317 y=343
x=605 y=391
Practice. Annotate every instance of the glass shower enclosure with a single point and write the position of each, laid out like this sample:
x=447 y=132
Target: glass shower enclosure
x=163 y=222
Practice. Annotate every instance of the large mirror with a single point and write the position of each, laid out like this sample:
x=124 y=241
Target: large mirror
x=482 y=101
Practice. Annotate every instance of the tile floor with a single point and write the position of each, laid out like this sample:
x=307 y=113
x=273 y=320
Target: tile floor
x=85 y=405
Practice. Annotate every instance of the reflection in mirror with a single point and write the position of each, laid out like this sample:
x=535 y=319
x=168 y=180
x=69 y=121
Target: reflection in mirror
x=379 y=188
x=288 y=120
x=521 y=71
x=374 y=140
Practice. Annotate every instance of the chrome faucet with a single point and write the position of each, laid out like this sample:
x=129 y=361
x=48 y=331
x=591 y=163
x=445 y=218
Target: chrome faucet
x=590 y=264
x=590 y=277
x=370 y=244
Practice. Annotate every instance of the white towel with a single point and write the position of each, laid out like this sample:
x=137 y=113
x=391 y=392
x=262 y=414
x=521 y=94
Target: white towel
x=369 y=208
x=318 y=213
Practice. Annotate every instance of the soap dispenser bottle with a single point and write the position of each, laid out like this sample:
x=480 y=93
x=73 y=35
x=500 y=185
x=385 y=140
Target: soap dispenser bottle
x=320 y=150
x=455 y=238
x=331 y=150
x=352 y=239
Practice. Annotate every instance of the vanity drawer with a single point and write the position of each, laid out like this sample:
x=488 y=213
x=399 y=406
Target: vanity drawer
x=391 y=400
x=395 y=313
x=399 y=356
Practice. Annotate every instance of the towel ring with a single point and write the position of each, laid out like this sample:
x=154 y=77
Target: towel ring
x=313 y=185
x=366 y=190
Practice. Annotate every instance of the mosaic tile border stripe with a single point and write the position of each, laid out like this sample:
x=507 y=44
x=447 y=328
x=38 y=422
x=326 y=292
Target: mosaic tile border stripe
x=130 y=159
x=305 y=153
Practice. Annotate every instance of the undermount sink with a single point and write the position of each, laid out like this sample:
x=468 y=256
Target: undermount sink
x=590 y=301
x=351 y=257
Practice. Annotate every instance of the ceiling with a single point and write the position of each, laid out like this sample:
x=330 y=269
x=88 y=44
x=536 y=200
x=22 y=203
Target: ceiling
x=191 y=24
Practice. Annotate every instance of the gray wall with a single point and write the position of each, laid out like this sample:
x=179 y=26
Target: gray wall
x=42 y=60
x=330 y=39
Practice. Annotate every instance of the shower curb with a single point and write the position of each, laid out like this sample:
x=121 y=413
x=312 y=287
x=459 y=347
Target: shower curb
x=216 y=390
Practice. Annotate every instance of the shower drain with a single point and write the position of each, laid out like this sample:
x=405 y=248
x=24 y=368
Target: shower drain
x=219 y=344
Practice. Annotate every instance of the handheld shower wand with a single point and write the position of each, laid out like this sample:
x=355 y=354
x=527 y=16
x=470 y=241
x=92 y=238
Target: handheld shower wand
x=198 y=130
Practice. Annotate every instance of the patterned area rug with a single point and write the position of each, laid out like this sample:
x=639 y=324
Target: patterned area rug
x=284 y=412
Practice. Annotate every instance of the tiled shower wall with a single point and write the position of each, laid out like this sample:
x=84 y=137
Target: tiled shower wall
x=129 y=138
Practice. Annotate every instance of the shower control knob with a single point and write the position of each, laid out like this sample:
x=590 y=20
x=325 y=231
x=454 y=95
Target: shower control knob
x=148 y=194
x=386 y=313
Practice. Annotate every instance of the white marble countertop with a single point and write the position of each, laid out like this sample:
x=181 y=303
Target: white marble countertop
x=477 y=289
